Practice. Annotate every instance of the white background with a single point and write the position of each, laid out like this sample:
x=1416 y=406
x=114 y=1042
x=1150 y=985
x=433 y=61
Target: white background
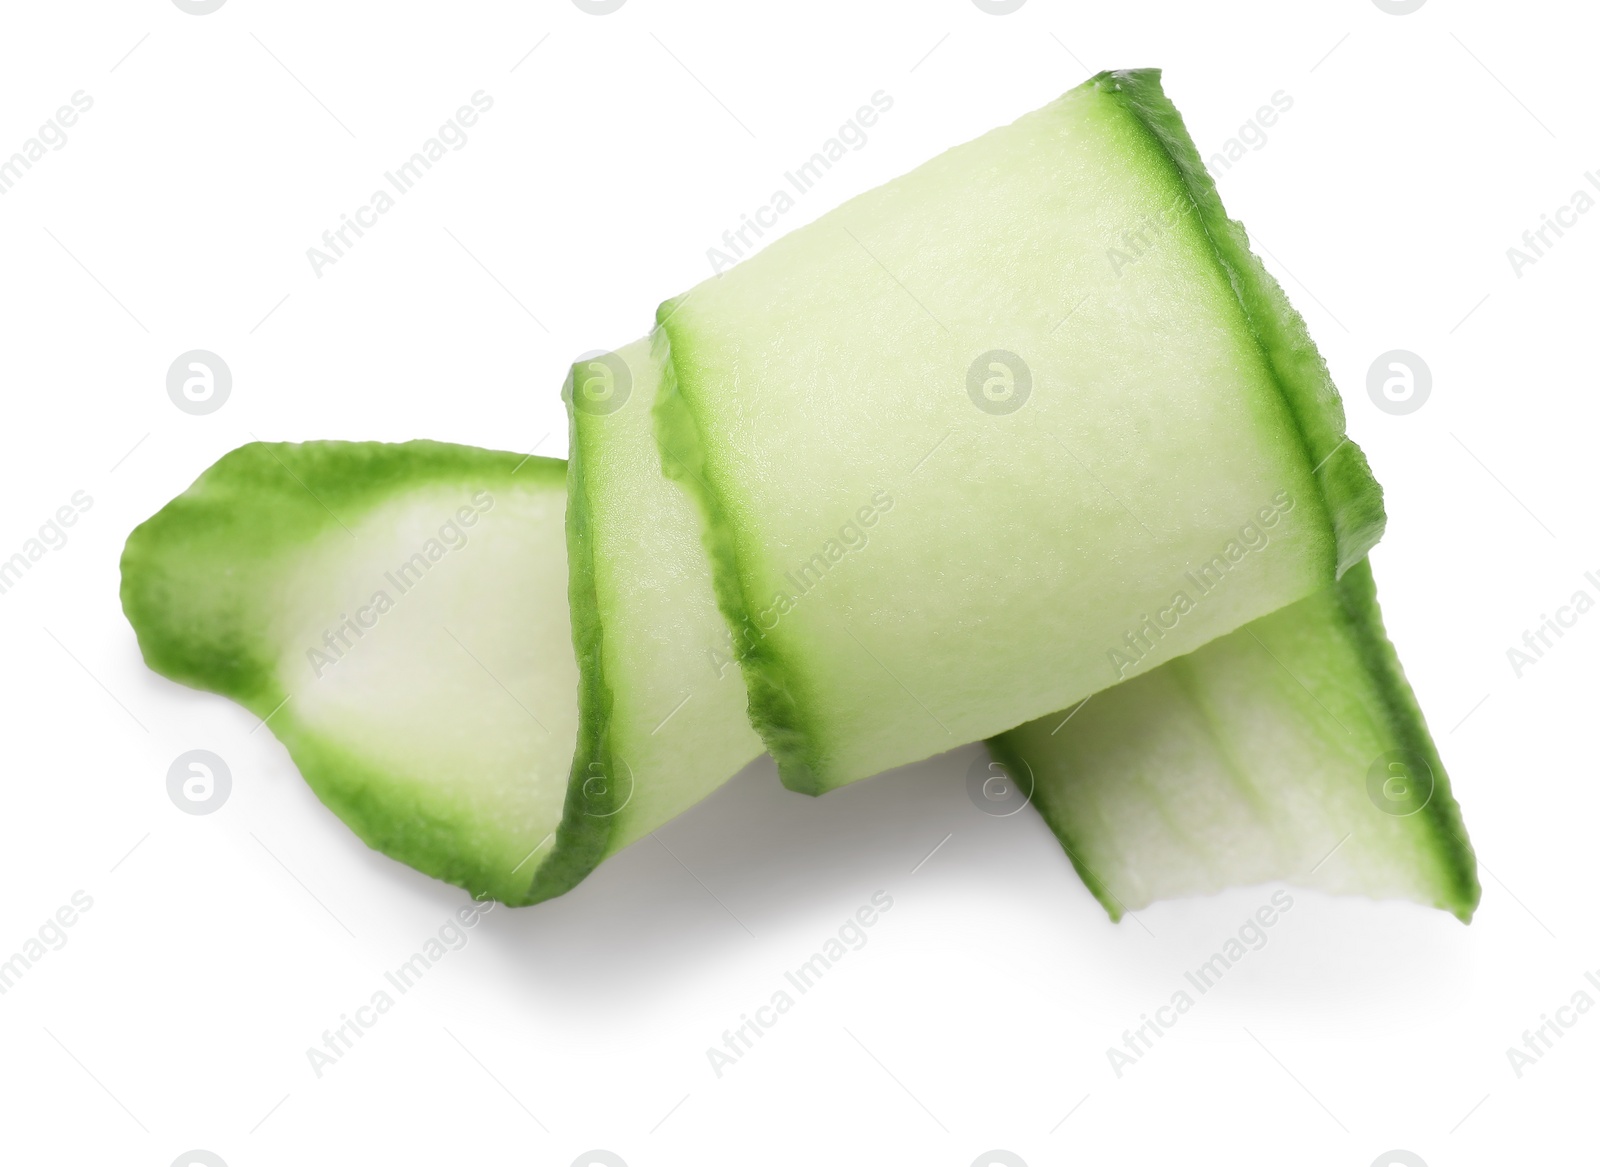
x=619 y=148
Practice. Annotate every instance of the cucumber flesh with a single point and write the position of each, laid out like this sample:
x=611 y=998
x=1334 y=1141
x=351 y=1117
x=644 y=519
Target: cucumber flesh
x=919 y=542
x=663 y=703
x=977 y=445
x=1215 y=769
x=1291 y=750
x=447 y=722
x=398 y=616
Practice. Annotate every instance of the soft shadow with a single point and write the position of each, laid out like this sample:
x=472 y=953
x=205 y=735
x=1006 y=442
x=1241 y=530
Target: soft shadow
x=759 y=858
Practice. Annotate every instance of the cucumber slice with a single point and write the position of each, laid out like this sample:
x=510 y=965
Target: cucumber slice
x=1291 y=750
x=663 y=704
x=963 y=443
x=446 y=733
x=397 y=614
x=419 y=730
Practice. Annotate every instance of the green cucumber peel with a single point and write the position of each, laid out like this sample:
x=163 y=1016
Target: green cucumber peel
x=1353 y=497
x=1292 y=750
x=258 y=518
x=1166 y=404
x=662 y=724
x=456 y=764
x=728 y=495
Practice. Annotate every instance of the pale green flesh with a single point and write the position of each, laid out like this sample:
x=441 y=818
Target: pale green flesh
x=677 y=726
x=902 y=572
x=1248 y=762
x=442 y=733
x=409 y=643
x=830 y=371
x=462 y=693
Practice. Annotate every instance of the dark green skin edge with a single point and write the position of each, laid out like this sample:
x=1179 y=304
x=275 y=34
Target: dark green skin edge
x=242 y=514
x=1358 y=598
x=1361 y=623
x=588 y=815
x=773 y=711
x=1000 y=749
x=1353 y=497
